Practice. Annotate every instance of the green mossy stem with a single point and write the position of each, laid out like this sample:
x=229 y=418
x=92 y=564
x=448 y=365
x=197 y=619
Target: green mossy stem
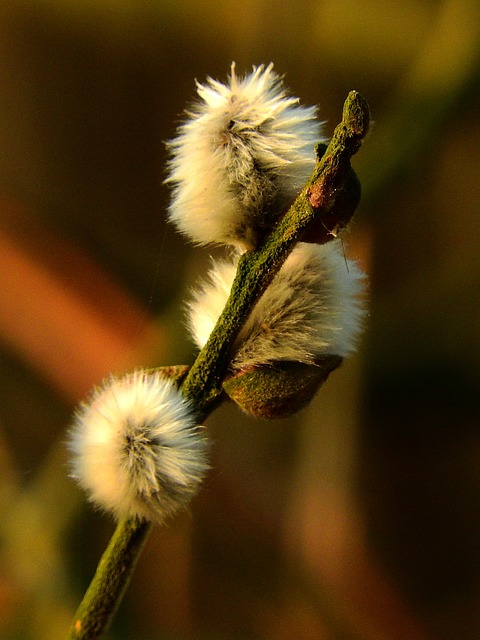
x=203 y=383
x=110 y=580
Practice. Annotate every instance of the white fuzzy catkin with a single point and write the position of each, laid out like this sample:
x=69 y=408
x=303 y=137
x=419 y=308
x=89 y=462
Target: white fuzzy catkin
x=312 y=308
x=136 y=448
x=239 y=160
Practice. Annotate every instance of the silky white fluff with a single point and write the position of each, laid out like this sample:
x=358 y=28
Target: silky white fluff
x=136 y=448
x=313 y=307
x=238 y=161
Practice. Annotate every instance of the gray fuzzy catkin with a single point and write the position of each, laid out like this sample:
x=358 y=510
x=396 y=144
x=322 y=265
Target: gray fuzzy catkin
x=237 y=162
x=312 y=308
x=136 y=449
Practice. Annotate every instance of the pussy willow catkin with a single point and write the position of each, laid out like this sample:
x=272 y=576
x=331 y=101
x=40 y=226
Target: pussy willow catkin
x=313 y=307
x=244 y=151
x=136 y=448
x=237 y=162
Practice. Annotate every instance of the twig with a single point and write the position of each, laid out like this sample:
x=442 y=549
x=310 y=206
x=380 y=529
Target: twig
x=256 y=269
x=110 y=580
x=321 y=201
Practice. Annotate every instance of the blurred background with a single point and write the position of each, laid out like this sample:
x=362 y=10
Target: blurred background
x=359 y=519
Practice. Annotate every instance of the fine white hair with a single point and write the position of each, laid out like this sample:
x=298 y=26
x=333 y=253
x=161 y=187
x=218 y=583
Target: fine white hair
x=312 y=308
x=136 y=448
x=240 y=158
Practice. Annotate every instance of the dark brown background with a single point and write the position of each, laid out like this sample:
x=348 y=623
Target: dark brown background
x=360 y=518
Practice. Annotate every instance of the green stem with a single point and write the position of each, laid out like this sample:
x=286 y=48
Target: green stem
x=110 y=580
x=203 y=383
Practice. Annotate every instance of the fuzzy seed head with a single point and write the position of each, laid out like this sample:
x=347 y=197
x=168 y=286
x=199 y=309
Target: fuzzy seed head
x=136 y=449
x=312 y=308
x=240 y=158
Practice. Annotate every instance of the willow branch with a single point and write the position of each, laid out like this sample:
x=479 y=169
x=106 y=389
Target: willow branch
x=110 y=580
x=325 y=201
x=315 y=205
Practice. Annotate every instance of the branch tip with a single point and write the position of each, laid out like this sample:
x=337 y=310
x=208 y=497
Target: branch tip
x=356 y=115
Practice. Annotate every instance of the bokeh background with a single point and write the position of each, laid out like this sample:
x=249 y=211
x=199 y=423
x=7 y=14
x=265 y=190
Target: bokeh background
x=360 y=518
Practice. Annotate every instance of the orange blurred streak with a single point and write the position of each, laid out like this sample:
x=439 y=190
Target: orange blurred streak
x=66 y=318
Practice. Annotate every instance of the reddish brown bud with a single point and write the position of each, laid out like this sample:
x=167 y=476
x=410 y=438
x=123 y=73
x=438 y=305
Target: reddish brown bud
x=330 y=224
